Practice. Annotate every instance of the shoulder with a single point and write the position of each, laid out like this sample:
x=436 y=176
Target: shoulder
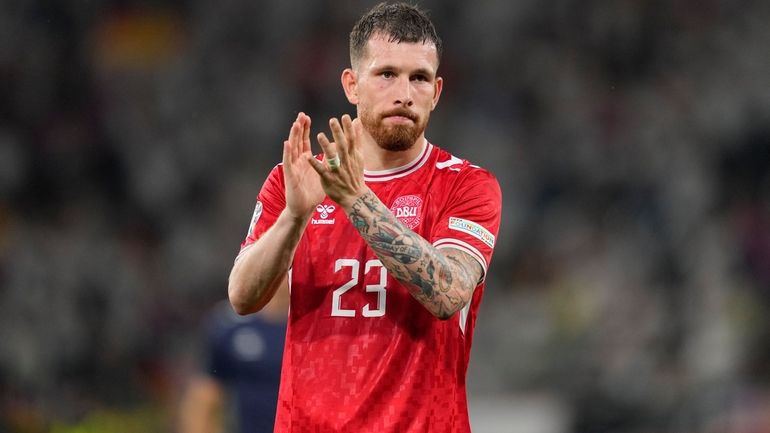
x=273 y=185
x=463 y=170
x=276 y=172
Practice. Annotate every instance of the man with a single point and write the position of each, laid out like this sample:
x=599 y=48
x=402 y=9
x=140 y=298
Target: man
x=237 y=387
x=384 y=242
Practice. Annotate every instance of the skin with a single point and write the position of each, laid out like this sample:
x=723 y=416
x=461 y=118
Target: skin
x=200 y=409
x=390 y=77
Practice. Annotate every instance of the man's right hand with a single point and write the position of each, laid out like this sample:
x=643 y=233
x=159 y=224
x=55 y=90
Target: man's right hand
x=302 y=183
x=260 y=269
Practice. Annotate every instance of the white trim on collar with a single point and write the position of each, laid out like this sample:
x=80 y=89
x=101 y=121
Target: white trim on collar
x=393 y=173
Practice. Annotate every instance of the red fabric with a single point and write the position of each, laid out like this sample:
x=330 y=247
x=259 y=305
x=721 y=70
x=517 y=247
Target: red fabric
x=376 y=360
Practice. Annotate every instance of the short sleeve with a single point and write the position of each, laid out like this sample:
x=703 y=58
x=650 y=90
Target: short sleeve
x=471 y=218
x=270 y=202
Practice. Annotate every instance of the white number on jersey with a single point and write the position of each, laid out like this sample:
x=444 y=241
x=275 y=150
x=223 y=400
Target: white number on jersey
x=378 y=288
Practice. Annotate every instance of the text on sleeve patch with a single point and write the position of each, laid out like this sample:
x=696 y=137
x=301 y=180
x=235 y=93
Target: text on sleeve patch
x=473 y=229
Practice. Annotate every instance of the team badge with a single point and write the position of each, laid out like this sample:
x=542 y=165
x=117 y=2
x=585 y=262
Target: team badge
x=407 y=209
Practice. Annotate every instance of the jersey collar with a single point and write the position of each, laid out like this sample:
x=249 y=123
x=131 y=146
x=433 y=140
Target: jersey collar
x=393 y=173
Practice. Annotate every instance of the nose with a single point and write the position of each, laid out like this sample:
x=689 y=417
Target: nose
x=404 y=92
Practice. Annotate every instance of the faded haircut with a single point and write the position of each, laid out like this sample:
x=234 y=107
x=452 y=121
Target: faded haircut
x=400 y=22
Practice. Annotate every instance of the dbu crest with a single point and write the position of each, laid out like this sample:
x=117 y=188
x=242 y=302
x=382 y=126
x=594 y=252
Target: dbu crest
x=407 y=209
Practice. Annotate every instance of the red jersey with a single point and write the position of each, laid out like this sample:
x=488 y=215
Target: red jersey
x=361 y=354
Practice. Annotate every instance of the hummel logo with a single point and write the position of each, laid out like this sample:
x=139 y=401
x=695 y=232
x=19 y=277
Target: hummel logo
x=324 y=210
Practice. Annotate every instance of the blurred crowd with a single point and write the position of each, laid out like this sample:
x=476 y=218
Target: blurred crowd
x=631 y=281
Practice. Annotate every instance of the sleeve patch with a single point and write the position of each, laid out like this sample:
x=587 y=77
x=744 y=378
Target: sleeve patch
x=473 y=229
x=255 y=217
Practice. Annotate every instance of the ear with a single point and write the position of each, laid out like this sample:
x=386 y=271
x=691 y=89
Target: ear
x=350 y=85
x=437 y=86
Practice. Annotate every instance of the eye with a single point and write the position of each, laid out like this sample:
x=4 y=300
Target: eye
x=419 y=77
x=388 y=74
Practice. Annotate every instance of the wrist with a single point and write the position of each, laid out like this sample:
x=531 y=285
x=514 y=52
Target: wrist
x=348 y=202
x=297 y=219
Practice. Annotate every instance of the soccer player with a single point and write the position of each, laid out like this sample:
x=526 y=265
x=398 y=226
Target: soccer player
x=384 y=240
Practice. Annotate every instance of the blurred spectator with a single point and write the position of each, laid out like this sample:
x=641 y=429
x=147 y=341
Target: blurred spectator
x=236 y=390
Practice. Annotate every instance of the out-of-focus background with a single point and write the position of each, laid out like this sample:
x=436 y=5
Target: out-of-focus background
x=630 y=287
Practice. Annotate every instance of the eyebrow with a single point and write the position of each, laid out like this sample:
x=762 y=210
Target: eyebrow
x=423 y=71
x=418 y=71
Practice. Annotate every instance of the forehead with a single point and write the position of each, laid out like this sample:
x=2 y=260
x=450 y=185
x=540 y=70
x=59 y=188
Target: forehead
x=381 y=52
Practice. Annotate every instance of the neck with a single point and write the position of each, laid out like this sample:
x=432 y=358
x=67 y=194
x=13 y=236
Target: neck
x=377 y=158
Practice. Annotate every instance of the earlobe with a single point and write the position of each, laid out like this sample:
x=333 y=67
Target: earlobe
x=350 y=85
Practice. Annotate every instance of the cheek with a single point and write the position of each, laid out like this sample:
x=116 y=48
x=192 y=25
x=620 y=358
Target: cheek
x=426 y=99
x=373 y=87
x=371 y=95
x=425 y=92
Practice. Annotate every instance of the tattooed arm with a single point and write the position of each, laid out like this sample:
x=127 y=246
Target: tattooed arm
x=441 y=280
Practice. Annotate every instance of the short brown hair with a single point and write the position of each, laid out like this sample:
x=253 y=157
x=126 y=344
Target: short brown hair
x=400 y=22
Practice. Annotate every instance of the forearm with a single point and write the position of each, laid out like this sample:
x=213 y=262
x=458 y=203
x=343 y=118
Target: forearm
x=441 y=283
x=262 y=268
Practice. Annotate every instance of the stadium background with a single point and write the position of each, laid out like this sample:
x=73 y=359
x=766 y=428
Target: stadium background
x=630 y=287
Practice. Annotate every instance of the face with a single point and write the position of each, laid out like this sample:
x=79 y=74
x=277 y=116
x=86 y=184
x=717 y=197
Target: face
x=395 y=88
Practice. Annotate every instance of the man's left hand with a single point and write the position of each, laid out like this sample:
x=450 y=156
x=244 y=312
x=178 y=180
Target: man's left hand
x=342 y=170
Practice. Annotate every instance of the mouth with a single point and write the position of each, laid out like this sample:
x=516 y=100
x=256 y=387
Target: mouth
x=399 y=119
x=400 y=116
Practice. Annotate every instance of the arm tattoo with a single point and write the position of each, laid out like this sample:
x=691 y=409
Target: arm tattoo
x=442 y=282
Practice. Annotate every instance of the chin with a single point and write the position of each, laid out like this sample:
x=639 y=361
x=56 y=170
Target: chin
x=397 y=139
x=398 y=146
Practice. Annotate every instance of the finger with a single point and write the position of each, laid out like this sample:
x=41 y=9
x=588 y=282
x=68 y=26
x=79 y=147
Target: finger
x=305 y=132
x=287 y=154
x=318 y=166
x=358 y=131
x=330 y=150
x=294 y=134
x=339 y=135
x=350 y=133
x=298 y=141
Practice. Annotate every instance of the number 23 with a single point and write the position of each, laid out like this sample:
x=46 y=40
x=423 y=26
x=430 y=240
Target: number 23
x=378 y=288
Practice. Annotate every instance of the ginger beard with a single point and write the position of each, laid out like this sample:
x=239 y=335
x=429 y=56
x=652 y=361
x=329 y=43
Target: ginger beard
x=395 y=138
